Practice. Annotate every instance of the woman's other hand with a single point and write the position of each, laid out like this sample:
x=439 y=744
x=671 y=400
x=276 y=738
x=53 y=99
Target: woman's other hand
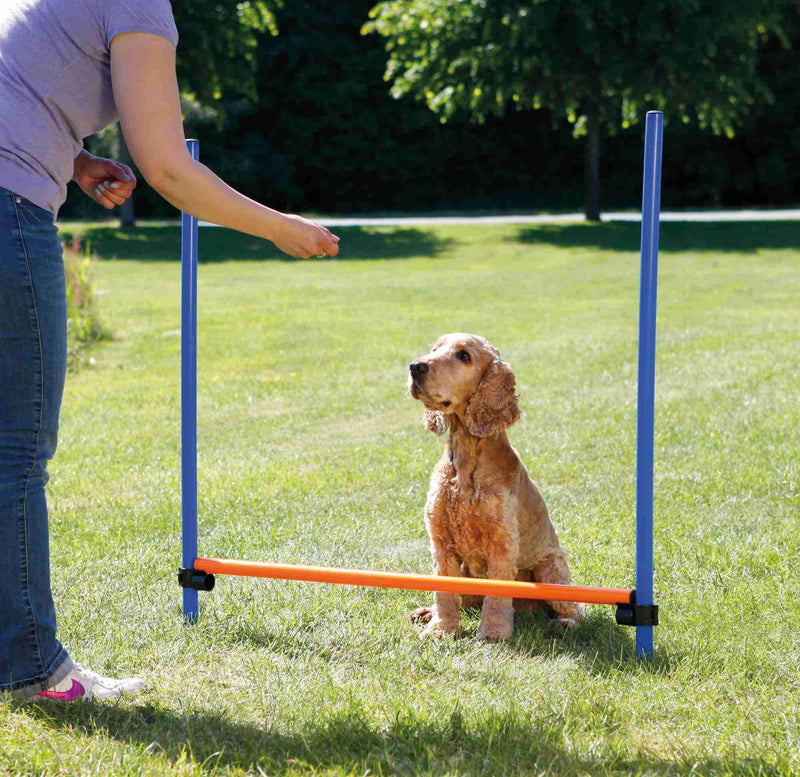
x=105 y=181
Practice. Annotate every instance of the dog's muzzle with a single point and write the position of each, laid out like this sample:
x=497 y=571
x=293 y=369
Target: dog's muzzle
x=416 y=375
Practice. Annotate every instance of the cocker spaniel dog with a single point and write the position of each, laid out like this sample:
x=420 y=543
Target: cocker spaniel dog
x=484 y=515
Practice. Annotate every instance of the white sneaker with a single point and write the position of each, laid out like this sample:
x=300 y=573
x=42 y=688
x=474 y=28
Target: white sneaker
x=82 y=683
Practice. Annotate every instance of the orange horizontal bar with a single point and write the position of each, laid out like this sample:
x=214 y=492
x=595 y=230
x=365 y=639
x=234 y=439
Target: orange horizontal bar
x=452 y=585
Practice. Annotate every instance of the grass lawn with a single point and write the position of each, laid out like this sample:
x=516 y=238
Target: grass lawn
x=311 y=451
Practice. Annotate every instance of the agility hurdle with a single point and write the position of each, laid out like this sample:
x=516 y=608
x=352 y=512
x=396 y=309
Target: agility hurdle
x=635 y=606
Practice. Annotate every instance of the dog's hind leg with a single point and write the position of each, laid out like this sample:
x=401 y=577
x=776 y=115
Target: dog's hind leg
x=553 y=568
x=527 y=605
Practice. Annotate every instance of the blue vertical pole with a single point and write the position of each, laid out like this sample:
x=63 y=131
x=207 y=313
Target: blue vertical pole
x=189 y=397
x=645 y=420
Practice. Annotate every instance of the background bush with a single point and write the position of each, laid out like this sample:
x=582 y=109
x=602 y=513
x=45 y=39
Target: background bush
x=320 y=132
x=84 y=326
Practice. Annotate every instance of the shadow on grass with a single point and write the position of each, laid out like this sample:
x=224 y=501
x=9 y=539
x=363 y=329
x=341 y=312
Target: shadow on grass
x=163 y=244
x=736 y=237
x=349 y=742
x=603 y=647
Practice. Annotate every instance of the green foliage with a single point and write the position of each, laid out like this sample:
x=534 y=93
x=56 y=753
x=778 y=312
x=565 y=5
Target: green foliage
x=84 y=327
x=323 y=134
x=218 y=45
x=581 y=58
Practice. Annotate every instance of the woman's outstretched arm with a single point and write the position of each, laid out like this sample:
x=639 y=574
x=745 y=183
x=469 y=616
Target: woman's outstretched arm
x=147 y=98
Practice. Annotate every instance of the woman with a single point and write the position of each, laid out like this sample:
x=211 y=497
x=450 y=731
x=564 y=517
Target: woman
x=68 y=68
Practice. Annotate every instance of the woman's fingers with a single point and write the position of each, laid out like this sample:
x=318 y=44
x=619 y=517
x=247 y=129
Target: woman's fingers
x=324 y=244
x=329 y=245
x=119 y=189
x=304 y=239
x=331 y=248
x=126 y=174
x=110 y=194
x=105 y=202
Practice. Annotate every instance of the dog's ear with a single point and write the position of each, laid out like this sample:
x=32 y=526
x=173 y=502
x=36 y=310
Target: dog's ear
x=493 y=407
x=436 y=421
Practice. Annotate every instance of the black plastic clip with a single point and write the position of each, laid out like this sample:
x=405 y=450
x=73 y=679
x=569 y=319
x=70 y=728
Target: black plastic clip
x=633 y=614
x=195 y=578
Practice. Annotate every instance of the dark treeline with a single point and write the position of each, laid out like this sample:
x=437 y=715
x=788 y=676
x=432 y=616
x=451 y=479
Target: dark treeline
x=325 y=135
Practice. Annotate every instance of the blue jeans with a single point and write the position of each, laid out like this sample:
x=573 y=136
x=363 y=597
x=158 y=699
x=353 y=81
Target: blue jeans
x=33 y=360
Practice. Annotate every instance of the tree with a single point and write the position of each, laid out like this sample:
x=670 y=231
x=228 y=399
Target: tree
x=600 y=63
x=219 y=44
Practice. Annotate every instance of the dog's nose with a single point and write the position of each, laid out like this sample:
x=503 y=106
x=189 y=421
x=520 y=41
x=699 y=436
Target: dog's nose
x=418 y=368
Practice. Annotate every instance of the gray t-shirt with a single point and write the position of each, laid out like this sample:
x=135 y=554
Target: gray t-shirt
x=55 y=84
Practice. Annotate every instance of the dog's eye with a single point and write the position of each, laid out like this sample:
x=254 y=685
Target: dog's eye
x=463 y=356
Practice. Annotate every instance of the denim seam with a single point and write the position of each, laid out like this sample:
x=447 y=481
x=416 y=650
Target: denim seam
x=40 y=387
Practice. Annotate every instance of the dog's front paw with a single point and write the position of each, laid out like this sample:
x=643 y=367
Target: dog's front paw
x=495 y=632
x=438 y=629
x=421 y=615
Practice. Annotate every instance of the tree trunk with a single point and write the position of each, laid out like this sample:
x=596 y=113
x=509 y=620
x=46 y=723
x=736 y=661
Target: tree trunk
x=127 y=211
x=592 y=167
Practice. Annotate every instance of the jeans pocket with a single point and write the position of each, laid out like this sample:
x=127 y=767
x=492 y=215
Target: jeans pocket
x=34 y=216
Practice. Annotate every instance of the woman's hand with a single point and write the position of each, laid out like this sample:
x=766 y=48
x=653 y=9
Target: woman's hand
x=105 y=181
x=303 y=239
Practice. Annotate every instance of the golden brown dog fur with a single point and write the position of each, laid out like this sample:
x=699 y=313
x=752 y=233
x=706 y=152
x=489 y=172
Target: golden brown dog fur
x=484 y=515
